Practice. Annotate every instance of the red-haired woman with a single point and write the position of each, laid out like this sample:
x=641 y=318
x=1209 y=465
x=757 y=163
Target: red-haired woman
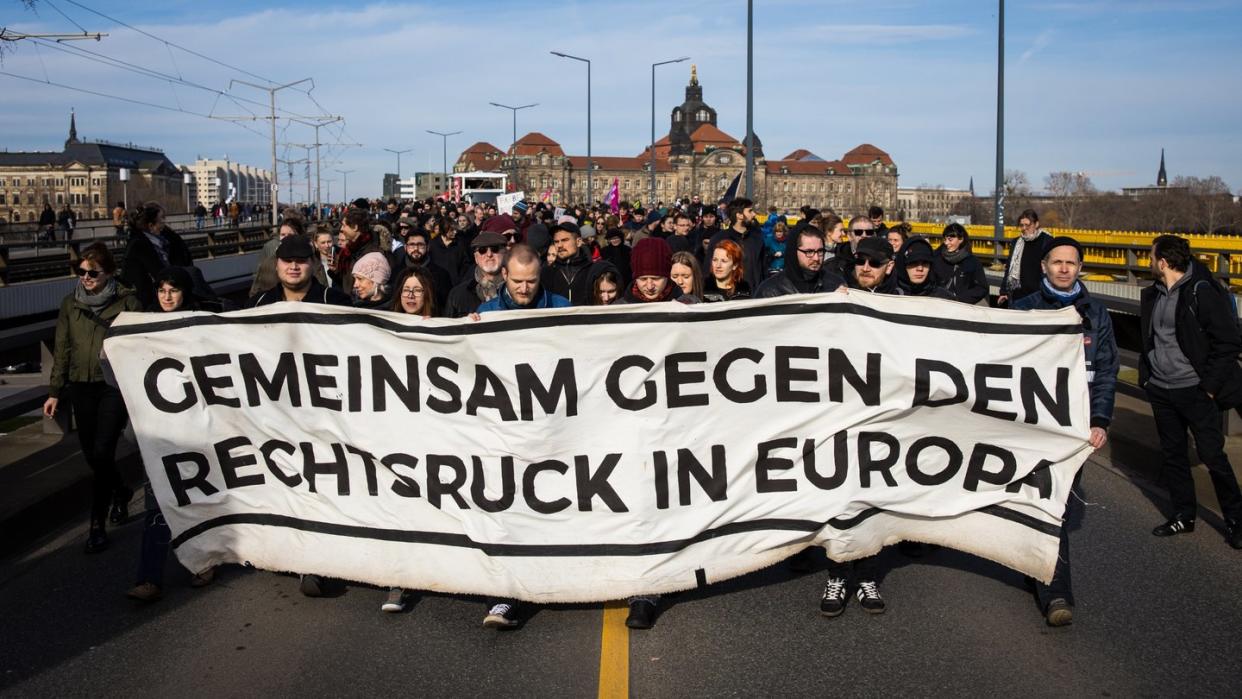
x=726 y=283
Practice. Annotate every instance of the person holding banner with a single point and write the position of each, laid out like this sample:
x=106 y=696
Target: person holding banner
x=805 y=272
x=1060 y=288
x=297 y=281
x=521 y=271
x=651 y=262
x=484 y=281
x=873 y=266
x=85 y=316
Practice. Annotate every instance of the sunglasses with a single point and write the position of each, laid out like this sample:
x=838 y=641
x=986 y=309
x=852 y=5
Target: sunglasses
x=92 y=273
x=864 y=261
x=864 y=232
x=486 y=249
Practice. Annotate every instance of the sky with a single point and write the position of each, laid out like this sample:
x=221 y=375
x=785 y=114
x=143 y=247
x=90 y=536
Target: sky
x=1091 y=86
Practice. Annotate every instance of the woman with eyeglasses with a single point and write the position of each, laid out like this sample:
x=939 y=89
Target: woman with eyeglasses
x=956 y=268
x=414 y=293
x=174 y=291
x=83 y=321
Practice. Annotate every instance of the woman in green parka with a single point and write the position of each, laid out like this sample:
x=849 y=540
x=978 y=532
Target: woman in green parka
x=85 y=316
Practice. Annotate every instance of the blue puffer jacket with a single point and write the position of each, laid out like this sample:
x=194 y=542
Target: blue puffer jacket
x=504 y=302
x=1099 y=346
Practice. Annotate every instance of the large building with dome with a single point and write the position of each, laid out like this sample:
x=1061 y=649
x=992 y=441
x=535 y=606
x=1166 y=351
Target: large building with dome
x=694 y=158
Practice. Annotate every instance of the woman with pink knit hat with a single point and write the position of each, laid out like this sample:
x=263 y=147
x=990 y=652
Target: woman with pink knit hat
x=370 y=281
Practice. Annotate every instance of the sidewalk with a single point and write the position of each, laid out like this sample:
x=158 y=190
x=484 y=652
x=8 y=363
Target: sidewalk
x=44 y=481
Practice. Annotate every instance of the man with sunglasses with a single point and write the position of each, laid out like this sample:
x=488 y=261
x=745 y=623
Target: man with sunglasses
x=842 y=262
x=484 y=280
x=873 y=267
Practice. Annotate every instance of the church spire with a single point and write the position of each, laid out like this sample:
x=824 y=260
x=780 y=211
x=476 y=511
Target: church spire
x=73 y=130
x=972 y=185
x=1162 y=178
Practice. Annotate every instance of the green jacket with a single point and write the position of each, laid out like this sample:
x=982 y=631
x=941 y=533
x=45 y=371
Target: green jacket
x=79 y=339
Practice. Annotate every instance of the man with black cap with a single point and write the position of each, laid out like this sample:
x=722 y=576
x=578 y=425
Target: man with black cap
x=484 y=281
x=1060 y=288
x=873 y=267
x=567 y=276
x=912 y=270
x=297 y=281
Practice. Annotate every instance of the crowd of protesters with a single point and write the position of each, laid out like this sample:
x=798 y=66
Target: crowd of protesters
x=441 y=259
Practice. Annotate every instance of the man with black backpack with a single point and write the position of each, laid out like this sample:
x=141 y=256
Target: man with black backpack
x=1190 y=369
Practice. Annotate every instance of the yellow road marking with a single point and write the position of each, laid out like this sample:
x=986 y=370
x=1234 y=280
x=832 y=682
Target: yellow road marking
x=614 y=653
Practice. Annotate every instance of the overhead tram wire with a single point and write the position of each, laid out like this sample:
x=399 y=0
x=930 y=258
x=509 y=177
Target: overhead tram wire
x=104 y=59
x=192 y=52
x=116 y=97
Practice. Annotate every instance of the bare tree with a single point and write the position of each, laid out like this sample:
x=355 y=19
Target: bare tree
x=1069 y=190
x=1211 y=203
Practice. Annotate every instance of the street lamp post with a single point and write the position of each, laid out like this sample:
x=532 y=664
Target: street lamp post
x=515 y=111
x=444 y=154
x=998 y=226
x=590 y=163
x=398 y=152
x=653 y=157
x=345 y=185
x=750 y=99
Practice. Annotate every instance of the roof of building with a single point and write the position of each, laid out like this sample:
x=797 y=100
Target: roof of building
x=708 y=135
x=94 y=155
x=802 y=154
x=808 y=167
x=481 y=156
x=534 y=142
x=865 y=155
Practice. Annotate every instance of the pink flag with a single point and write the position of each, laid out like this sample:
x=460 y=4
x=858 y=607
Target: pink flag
x=614 y=197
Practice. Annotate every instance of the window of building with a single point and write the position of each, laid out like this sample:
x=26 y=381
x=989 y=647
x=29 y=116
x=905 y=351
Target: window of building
x=96 y=198
x=703 y=115
x=30 y=183
x=78 y=198
x=4 y=199
x=30 y=198
x=3 y=183
x=17 y=215
x=60 y=182
x=60 y=198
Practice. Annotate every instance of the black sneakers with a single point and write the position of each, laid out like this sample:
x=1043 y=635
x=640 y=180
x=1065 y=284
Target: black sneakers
x=1235 y=534
x=96 y=540
x=311 y=585
x=642 y=613
x=501 y=616
x=120 y=506
x=833 y=601
x=1059 y=613
x=1174 y=526
x=869 y=597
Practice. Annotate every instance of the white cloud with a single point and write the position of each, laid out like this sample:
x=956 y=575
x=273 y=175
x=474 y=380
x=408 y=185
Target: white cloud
x=1042 y=41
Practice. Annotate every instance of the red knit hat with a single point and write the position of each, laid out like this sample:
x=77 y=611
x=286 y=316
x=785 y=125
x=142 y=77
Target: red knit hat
x=651 y=257
x=499 y=224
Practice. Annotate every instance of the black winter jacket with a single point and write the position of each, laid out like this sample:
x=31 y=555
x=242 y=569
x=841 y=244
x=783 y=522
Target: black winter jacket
x=568 y=278
x=142 y=263
x=965 y=281
x=1099 y=346
x=317 y=293
x=1032 y=274
x=1207 y=333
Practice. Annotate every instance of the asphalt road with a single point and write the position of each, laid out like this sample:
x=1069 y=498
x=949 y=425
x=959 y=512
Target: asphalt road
x=1155 y=618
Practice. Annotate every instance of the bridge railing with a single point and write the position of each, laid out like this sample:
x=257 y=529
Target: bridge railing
x=39 y=260
x=1125 y=255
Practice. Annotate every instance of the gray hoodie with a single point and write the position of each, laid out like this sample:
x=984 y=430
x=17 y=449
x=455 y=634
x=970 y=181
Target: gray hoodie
x=1169 y=366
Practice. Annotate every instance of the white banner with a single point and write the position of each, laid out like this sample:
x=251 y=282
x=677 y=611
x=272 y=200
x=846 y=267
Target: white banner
x=593 y=453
